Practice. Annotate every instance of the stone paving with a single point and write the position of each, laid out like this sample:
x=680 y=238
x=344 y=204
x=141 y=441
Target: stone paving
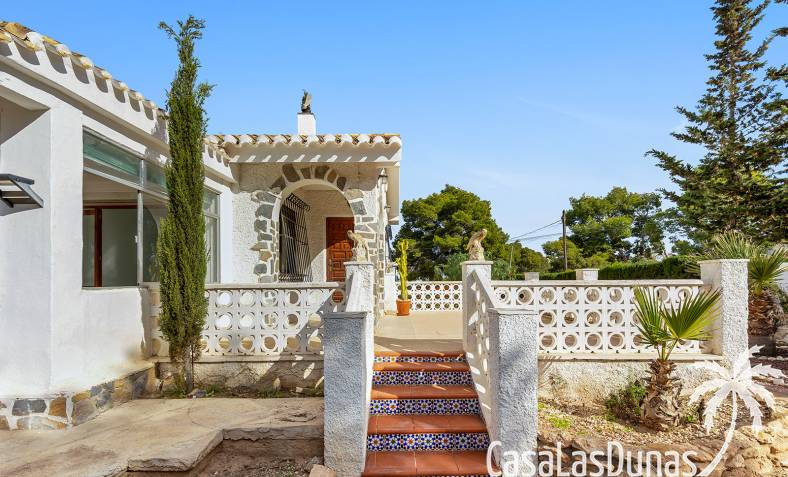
x=420 y=331
x=157 y=435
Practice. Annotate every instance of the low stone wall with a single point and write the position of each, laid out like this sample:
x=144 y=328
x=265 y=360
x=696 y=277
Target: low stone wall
x=751 y=454
x=253 y=375
x=580 y=379
x=71 y=409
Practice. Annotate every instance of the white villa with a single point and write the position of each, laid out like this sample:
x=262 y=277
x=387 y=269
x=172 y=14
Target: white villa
x=291 y=302
x=78 y=242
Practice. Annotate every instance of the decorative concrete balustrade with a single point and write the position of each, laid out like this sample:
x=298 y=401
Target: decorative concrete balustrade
x=435 y=295
x=500 y=343
x=591 y=316
x=260 y=319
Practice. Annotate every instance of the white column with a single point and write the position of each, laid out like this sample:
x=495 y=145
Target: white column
x=468 y=305
x=390 y=289
x=514 y=379
x=587 y=274
x=348 y=350
x=730 y=326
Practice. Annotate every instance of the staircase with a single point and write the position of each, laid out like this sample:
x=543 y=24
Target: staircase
x=424 y=417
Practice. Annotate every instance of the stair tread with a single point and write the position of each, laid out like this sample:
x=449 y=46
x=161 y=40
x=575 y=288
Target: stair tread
x=450 y=366
x=431 y=354
x=425 y=424
x=437 y=463
x=434 y=391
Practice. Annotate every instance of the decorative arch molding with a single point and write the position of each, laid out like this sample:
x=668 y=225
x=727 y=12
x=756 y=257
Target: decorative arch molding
x=266 y=222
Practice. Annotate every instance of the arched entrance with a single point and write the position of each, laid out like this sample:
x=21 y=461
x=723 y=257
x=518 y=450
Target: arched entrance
x=327 y=195
x=313 y=244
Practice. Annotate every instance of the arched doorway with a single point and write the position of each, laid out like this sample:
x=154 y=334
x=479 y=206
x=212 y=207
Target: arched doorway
x=313 y=244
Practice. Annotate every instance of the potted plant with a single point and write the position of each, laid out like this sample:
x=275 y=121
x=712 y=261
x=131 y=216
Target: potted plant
x=403 y=302
x=663 y=327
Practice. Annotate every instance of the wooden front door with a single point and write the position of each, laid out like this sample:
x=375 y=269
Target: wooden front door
x=338 y=247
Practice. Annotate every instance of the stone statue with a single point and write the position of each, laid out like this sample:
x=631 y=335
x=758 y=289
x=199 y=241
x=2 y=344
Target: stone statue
x=360 y=247
x=475 y=249
x=306 y=103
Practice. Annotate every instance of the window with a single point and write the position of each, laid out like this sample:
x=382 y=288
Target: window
x=210 y=208
x=124 y=200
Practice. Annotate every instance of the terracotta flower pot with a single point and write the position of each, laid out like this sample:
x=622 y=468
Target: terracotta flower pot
x=403 y=307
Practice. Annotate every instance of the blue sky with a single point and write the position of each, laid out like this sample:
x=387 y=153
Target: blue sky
x=523 y=103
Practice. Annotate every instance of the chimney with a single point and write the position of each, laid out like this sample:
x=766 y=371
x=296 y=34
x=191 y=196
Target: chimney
x=306 y=124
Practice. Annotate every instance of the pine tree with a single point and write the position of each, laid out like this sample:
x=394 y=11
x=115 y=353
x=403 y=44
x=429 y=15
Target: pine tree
x=181 y=248
x=740 y=183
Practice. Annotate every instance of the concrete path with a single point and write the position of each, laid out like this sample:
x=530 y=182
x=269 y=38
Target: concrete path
x=420 y=331
x=156 y=435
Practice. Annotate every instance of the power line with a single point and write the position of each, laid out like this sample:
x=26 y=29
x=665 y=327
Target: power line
x=536 y=237
x=536 y=230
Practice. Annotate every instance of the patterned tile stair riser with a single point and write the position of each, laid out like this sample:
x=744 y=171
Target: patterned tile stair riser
x=425 y=418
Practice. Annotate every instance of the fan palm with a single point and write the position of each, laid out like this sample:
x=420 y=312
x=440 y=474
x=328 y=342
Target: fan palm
x=739 y=384
x=663 y=328
x=763 y=270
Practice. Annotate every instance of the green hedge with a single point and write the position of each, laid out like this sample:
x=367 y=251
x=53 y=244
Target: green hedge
x=567 y=275
x=669 y=268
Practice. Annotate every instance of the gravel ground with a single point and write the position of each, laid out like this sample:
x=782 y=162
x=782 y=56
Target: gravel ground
x=566 y=422
x=260 y=467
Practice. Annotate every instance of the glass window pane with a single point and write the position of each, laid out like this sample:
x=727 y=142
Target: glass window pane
x=155 y=179
x=88 y=249
x=118 y=247
x=212 y=247
x=153 y=210
x=210 y=202
x=110 y=159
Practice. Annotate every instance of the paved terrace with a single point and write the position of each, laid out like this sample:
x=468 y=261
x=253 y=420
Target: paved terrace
x=156 y=435
x=421 y=331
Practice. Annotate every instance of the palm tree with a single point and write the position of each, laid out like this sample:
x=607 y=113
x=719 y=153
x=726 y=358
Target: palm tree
x=664 y=327
x=763 y=270
x=739 y=384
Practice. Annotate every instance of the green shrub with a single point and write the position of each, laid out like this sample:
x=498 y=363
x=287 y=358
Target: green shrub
x=625 y=403
x=567 y=275
x=559 y=422
x=669 y=268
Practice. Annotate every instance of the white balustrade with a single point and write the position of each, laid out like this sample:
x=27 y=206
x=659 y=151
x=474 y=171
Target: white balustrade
x=435 y=296
x=591 y=317
x=261 y=319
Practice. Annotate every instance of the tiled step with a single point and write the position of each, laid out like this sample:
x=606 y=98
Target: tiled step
x=432 y=367
x=421 y=378
x=417 y=357
x=424 y=406
x=419 y=424
x=442 y=441
x=408 y=463
x=427 y=433
x=424 y=392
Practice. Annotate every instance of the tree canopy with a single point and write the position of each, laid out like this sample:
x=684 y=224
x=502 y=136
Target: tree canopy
x=440 y=225
x=620 y=225
x=740 y=121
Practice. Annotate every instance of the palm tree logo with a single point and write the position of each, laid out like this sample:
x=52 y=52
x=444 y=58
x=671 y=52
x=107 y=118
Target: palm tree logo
x=738 y=383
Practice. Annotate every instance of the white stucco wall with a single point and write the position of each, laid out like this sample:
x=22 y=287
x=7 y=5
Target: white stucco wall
x=56 y=336
x=25 y=274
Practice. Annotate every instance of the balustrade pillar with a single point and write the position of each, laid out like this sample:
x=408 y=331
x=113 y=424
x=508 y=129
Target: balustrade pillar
x=729 y=332
x=468 y=302
x=514 y=379
x=348 y=344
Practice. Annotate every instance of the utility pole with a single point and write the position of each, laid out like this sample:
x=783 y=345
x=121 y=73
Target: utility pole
x=563 y=226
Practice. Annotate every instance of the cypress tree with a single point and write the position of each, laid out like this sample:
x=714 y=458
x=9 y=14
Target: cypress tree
x=181 y=247
x=739 y=184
